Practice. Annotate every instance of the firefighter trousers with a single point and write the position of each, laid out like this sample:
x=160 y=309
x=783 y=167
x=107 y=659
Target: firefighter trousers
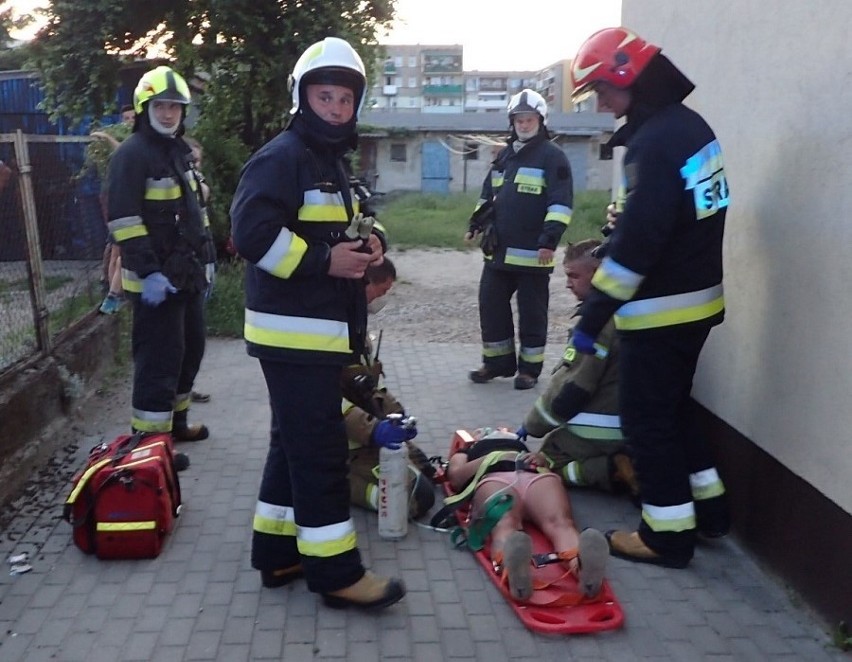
x=671 y=456
x=302 y=514
x=496 y=287
x=168 y=345
x=582 y=462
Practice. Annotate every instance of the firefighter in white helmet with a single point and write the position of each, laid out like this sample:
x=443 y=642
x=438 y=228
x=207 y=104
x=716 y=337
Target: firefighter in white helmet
x=524 y=208
x=157 y=217
x=305 y=318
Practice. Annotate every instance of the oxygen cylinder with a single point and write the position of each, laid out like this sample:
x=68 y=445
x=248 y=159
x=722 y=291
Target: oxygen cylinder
x=393 y=493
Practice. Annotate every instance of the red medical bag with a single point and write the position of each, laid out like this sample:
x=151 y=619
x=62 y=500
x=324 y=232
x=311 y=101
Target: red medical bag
x=125 y=500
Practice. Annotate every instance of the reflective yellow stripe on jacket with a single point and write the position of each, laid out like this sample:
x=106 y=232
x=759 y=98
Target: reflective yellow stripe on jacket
x=523 y=257
x=127 y=227
x=320 y=207
x=293 y=332
x=284 y=255
x=163 y=188
x=670 y=310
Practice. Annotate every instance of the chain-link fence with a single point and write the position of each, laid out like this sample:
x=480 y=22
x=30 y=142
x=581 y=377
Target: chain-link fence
x=52 y=238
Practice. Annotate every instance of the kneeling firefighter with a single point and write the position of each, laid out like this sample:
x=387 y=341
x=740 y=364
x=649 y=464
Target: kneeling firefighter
x=367 y=405
x=157 y=217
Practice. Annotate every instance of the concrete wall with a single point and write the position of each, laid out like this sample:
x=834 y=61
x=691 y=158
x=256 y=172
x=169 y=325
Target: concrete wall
x=41 y=401
x=773 y=80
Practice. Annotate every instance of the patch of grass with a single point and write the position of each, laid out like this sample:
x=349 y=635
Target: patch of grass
x=50 y=283
x=422 y=220
x=226 y=307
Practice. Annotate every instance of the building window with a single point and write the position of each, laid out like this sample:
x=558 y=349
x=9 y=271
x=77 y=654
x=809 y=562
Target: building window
x=398 y=60
x=471 y=151
x=398 y=152
x=605 y=152
x=412 y=81
x=412 y=60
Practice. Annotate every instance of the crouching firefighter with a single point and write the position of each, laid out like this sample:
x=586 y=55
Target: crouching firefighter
x=366 y=407
x=157 y=217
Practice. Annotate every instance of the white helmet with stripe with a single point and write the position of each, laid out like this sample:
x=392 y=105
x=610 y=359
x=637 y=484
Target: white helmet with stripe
x=331 y=61
x=527 y=101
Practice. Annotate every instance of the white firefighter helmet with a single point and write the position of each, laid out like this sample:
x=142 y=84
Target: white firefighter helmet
x=334 y=55
x=527 y=101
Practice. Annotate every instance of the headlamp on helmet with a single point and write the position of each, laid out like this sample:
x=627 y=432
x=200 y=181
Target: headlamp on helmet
x=161 y=84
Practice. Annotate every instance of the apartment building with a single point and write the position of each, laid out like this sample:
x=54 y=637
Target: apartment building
x=420 y=78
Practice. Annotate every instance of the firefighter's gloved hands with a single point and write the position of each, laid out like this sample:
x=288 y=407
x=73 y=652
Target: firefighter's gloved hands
x=391 y=433
x=583 y=342
x=155 y=288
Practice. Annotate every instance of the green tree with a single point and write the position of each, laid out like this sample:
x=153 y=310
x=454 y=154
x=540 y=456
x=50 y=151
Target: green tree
x=241 y=51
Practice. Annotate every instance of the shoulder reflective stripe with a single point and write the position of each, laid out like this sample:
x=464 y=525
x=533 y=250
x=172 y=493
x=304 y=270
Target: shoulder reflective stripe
x=706 y=485
x=617 y=281
x=320 y=207
x=166 y=188
x=284 y=255
x=597 y=420
x=496 y=178
x=532 y=354
x=296 y=332
x=558 y=213
x=126 y=526
x=499 y=348
x=325 y=541
x=669 y=310
x=532 y=176
x=669 y=518
x=523 y=257
x=130 y=281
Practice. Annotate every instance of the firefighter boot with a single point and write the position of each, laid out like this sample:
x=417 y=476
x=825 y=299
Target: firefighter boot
x=368 y=593
x=182 y=431
x=485 y=374
x=282 y=576
x=629 y=546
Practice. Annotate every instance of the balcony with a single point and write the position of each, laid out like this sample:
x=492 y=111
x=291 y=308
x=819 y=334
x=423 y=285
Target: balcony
x=443 y=90
x=389 y=69
x=389 y=90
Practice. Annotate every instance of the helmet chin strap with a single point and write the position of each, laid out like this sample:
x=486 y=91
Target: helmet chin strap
x=159 y=127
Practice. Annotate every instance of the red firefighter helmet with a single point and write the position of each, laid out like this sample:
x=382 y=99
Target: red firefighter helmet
x=613 y=55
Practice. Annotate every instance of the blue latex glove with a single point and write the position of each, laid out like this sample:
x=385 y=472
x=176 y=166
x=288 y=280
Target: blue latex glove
x=585 y=344
x=390 y=433
x=155 y=287
x=522 y=433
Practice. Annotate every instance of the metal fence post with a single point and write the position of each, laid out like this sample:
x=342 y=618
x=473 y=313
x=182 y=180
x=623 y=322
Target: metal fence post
x=35 y=264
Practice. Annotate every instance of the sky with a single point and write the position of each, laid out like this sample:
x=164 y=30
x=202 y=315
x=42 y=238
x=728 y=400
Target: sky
x=497 y=36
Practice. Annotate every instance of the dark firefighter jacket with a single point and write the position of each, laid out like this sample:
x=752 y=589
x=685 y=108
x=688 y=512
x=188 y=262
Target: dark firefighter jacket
x=664 y=262
x=156 y=213
x=533 y=194
x=293 y=203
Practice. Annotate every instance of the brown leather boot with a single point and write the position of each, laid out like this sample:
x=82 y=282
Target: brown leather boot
x=194 y=432
x=485 y=374
x=629 y=546
x=369 y=592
